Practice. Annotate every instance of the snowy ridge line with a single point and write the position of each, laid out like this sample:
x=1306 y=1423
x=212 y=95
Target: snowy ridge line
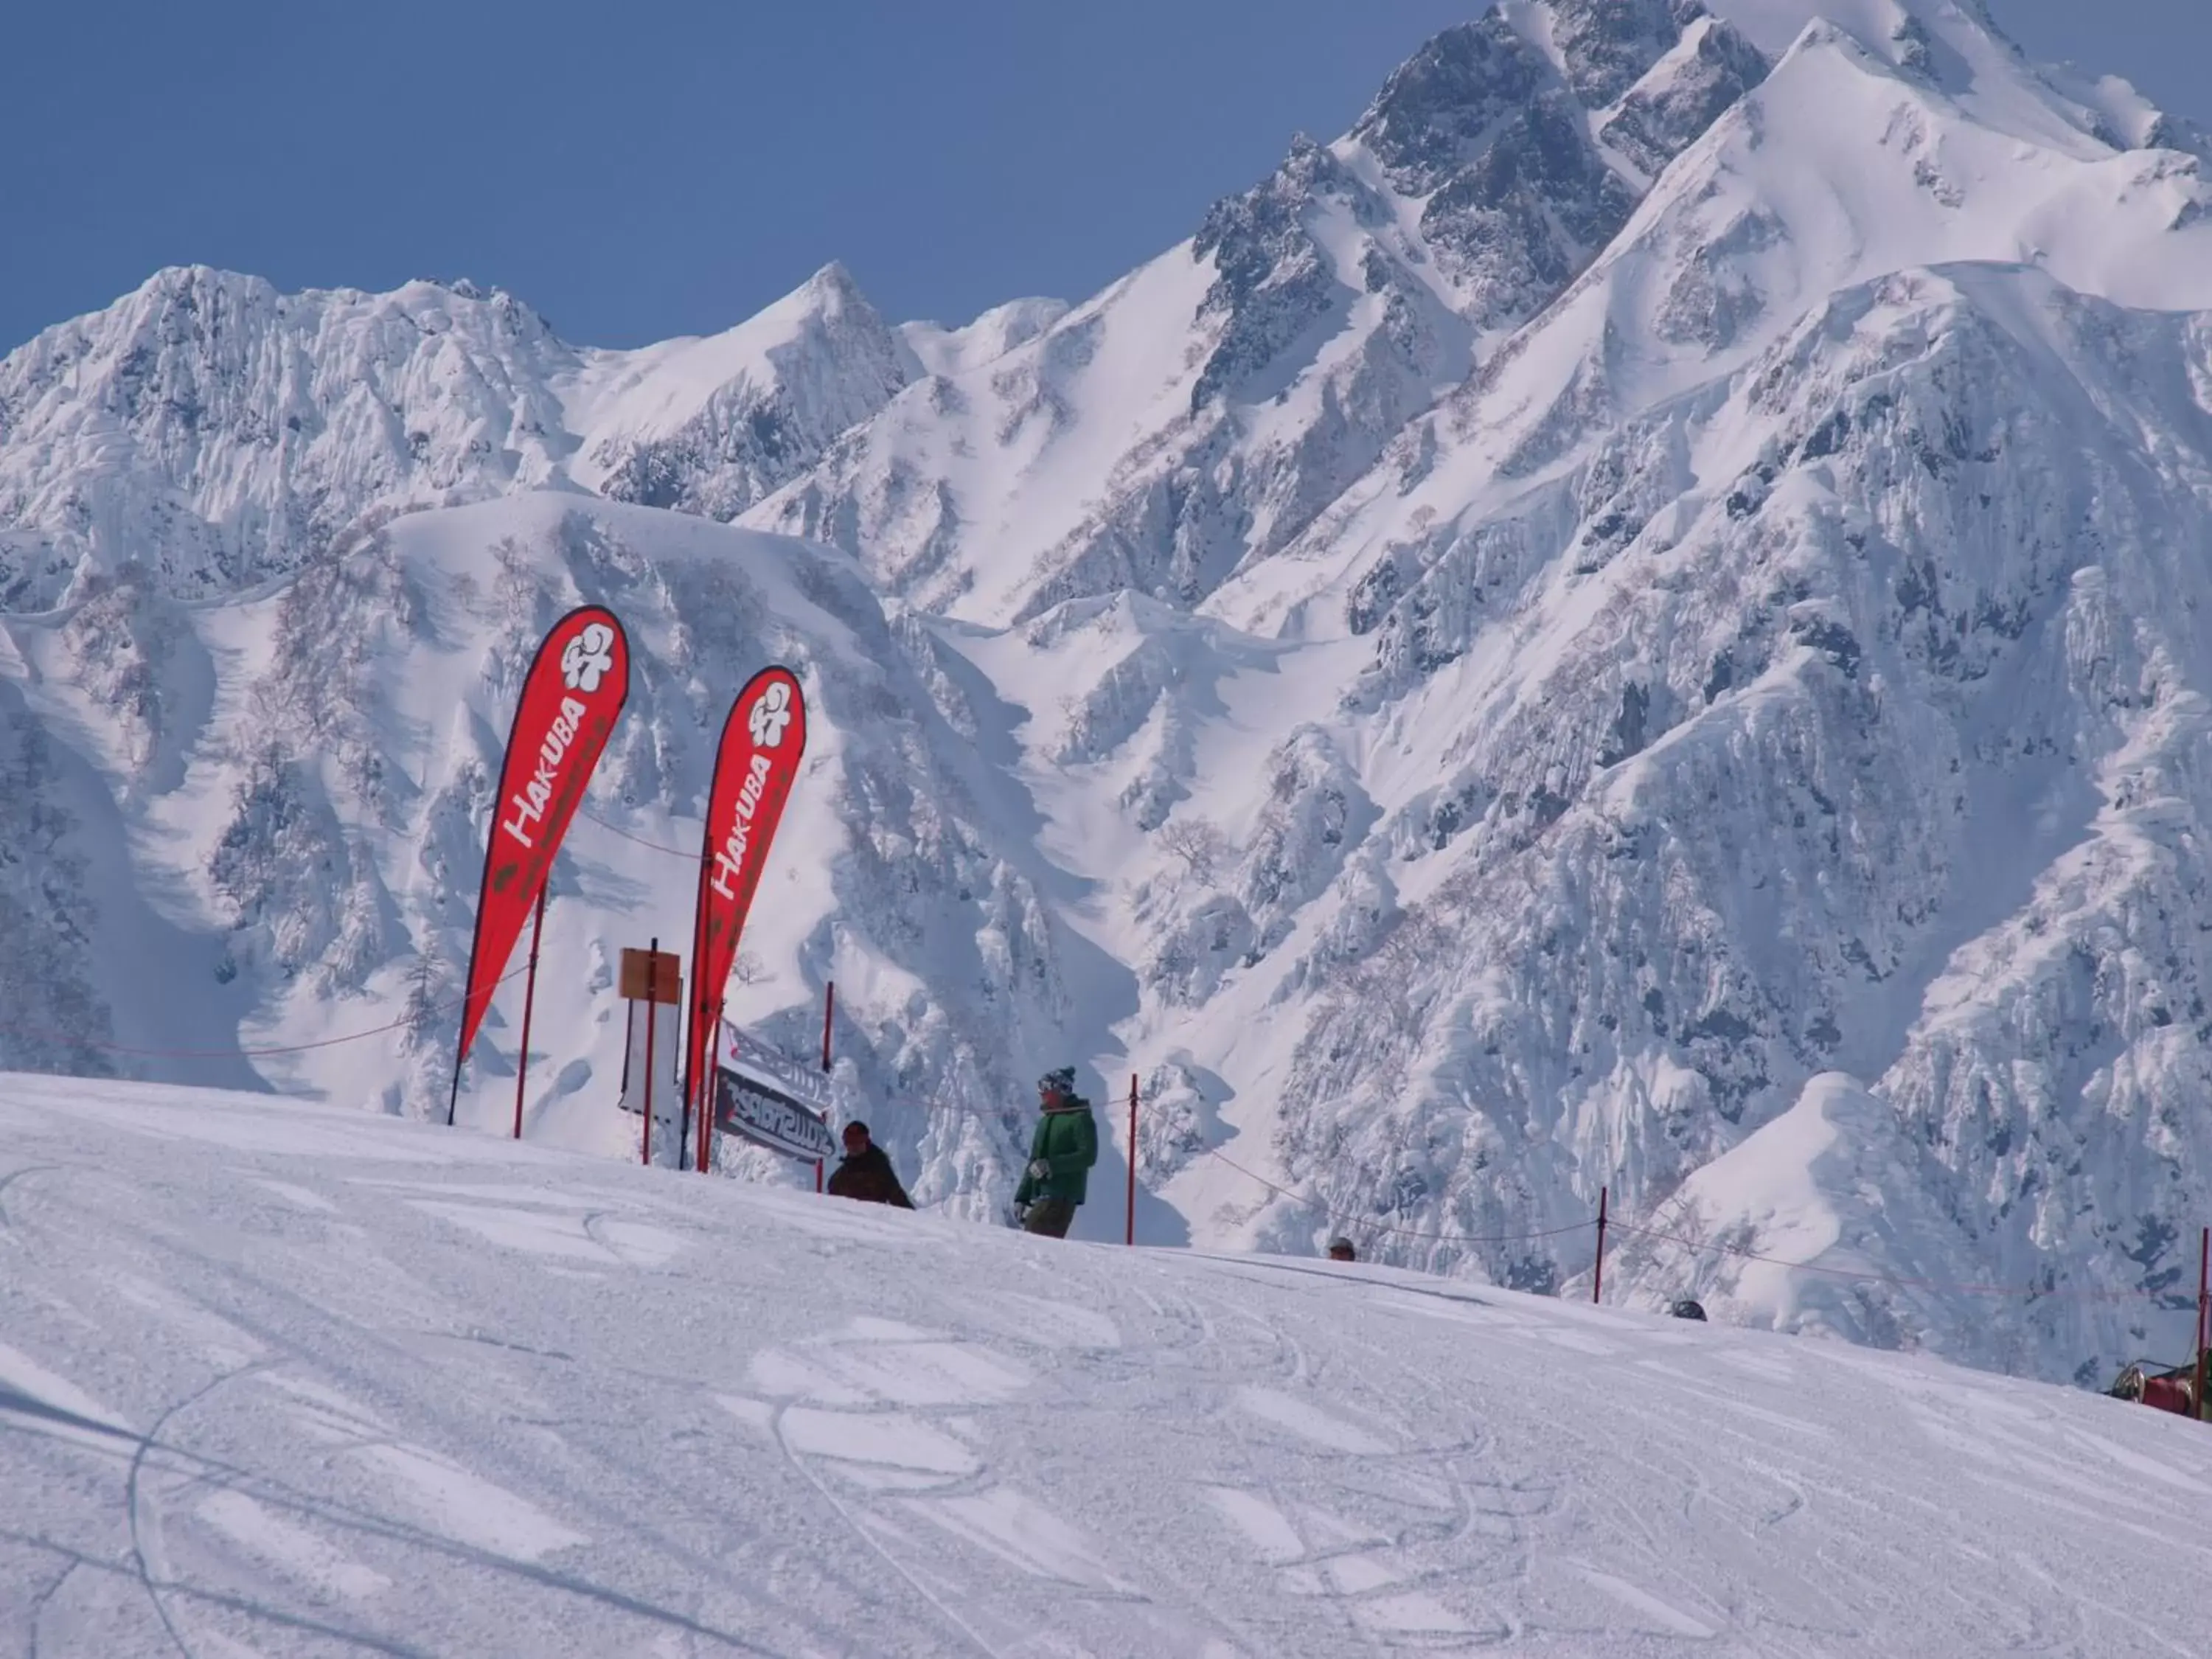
x=2028 y=1293
x=233 y=1054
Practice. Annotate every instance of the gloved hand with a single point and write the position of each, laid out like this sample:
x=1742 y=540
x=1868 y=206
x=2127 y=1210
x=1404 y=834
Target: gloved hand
x=1039 y=1170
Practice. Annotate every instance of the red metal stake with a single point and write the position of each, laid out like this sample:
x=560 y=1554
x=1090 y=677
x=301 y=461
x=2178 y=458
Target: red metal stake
x=709 y=1090
x=652 y=1007
x=1129 y=1227
x=529 y=997
x=829 y=1013
x=2203 y=1321
x=1597 y=1274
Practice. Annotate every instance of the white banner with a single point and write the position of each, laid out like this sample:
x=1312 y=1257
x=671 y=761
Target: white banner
x=777 y=1070
x=746 y=1107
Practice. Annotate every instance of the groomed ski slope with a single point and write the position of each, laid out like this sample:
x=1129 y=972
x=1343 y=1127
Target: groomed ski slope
x=287 y=1379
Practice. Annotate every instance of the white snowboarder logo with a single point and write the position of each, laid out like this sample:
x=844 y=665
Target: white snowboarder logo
x=771 y=713
x=589 y=658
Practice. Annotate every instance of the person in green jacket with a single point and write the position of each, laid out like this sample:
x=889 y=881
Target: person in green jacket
x=1061 y=1153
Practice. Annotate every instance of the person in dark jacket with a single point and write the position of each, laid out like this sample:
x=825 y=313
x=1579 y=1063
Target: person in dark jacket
x=1340 y=1249
x=1061 y=1153
x=866 y=1172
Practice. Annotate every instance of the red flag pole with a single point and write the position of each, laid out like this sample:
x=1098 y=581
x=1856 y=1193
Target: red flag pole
x=529 y=997
x=829 y=1013
x=1597 y=1274
x=1129 y=1228
x=709 y=1091
x=652 y=1008
x=2204 y=1321
x=686 y=1085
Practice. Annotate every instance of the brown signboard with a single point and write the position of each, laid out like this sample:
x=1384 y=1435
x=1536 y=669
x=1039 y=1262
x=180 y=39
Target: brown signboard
x=651 y=977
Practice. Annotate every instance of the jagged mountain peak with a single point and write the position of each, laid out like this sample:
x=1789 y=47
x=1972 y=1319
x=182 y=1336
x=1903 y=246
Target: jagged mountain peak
x=231 y=430
x=1605 y=46
x=219 y=294
x=831 y=293
x=711 y=425
x=1257 y=370
x=1841 y=167
x=1443 y=107
x=834 y=280
x=228 y=430
x=831 y=298
x=946 y=351
x=1439 y=106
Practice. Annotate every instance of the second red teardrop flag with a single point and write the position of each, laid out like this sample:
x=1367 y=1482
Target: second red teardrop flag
x=762 y=742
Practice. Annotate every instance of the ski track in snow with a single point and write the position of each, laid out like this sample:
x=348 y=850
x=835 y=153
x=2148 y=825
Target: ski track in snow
x=570 y=1408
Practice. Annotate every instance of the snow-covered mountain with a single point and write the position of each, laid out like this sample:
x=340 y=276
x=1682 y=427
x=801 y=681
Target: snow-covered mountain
x=1199 y=414
x=1629 y=623
x=219 y=434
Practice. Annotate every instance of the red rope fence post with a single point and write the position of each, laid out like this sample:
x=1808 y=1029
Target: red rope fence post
x=1129 y=1228
x=1597 y=1273
x=713 y=1089
x=652 y=1007
x=529 y=997
x=829 y=1014
x=2204 y=1320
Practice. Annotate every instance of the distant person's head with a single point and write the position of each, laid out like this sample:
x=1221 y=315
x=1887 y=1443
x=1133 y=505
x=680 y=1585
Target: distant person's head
x=1686 y=1309
x=856 y=1139
x=1340 y=1249
x=1056 y=1086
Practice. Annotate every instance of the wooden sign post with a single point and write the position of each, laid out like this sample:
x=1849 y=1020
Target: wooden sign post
x=655 y=978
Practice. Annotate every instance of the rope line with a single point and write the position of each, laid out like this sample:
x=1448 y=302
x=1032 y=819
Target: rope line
x=617 y=830
x=1367 y=1226
x=1351 y=1219
x=234 y=1053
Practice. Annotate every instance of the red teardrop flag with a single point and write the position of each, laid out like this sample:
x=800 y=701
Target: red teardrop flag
x=762 y=741
x=571 y=698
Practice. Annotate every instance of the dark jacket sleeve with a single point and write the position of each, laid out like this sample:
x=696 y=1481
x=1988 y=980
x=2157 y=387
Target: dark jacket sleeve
x=1027 y=1190
x=885 y=1180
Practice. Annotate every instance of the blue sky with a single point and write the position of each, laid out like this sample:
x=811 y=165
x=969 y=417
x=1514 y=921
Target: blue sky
x=668 y=167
